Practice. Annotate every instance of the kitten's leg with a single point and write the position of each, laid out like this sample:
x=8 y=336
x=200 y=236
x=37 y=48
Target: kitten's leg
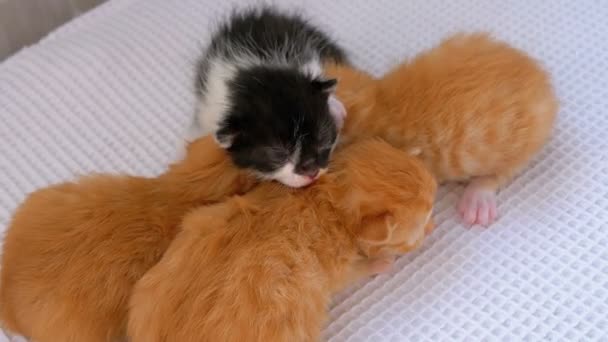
x=372 y=266
x=478 y=203
x=380 y=265
x=363 y=268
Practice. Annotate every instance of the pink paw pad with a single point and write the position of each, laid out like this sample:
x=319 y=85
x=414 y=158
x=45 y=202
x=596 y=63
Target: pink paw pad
x=478 y=206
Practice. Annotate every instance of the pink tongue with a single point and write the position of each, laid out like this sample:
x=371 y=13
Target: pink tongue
x=312 y=177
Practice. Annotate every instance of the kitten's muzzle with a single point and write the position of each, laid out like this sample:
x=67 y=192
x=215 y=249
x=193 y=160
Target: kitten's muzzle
x=312 y=174
x=309 y=170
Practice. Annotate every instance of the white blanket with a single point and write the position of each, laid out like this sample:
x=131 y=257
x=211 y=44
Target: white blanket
x=112 y=92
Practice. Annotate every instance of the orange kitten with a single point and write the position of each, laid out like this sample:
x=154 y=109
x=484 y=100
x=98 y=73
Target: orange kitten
x=73 y=251
x=473 y=109
x=262 y=267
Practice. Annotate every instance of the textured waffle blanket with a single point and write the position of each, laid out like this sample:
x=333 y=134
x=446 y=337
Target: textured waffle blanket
x=112 y=92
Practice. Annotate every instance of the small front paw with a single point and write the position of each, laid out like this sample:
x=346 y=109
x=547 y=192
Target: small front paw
x=381 y=265
x=478 y=206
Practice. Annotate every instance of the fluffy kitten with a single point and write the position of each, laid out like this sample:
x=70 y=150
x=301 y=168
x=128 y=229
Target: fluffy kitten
x=473 y=109
x=265 y=98
x=73 y=251
x=262 y=267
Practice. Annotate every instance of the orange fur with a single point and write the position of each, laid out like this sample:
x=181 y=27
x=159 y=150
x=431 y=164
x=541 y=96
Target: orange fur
x=73 y=251
x=472 y=109
x=262 y=267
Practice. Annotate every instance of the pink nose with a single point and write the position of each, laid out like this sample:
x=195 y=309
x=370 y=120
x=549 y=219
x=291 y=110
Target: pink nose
x=312 y=175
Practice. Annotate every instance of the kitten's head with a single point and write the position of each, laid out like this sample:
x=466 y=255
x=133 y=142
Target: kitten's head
x=389 y=195
x=281 y=124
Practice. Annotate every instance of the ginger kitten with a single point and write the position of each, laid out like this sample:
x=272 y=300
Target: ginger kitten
x=263 y=266
x=73 y=251
x=473 y=109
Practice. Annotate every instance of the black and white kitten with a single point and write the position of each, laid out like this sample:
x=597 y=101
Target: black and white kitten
x=264 y=97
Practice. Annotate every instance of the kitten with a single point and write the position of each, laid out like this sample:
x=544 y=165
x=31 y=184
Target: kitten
x=262 y=267
x=265 y=98
x=473 y=109
x=73 y=251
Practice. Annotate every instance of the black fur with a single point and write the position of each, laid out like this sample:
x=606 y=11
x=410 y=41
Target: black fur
x=262 y=31
x=271 y=111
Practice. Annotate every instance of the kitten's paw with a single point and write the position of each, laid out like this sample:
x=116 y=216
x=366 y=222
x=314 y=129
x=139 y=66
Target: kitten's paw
x=478 y=206
x=381 y=265
x=430 y=226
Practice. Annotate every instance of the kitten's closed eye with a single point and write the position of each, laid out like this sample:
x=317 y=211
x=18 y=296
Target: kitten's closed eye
x=276 y=156
x=262 y=158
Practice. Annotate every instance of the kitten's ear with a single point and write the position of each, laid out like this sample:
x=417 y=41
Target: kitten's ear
x=337 y=110
x=325 y=86
x=375 y=229
x=224 y=138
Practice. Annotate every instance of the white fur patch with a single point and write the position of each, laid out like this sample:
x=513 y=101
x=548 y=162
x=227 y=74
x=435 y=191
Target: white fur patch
x=225 y=143
x=287 y=176
x=312 y=68
x=214 y=103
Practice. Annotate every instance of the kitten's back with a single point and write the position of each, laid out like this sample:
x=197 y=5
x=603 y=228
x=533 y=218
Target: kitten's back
x=233 y=278
x=473 y=106
x=73 y=251
x=265 y=36
x=263 y=267
x=56 y=238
